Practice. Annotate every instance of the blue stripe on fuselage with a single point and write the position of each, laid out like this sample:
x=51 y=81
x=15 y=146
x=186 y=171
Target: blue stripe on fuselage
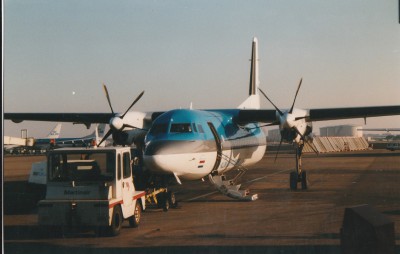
x=232 y=135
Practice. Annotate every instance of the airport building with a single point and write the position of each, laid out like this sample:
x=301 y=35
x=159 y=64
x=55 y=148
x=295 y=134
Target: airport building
x=341 y=131
x=331 y=139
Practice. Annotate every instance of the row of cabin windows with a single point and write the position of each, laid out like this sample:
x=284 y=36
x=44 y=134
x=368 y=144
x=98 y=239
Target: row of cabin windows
x=176 y=128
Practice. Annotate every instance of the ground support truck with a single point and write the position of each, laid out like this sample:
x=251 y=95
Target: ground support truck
x=91 y=187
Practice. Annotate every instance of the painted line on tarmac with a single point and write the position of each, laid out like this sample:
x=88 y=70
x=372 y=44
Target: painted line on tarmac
x=250 y=181
x=202 y=196
x=263 y=177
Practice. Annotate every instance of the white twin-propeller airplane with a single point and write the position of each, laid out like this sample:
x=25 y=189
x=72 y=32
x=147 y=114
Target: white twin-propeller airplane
x=188 y=144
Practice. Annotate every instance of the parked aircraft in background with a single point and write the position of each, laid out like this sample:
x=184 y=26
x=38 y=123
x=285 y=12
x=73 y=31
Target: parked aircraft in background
x=20 y=145
x=189 y=144
x=96 y=136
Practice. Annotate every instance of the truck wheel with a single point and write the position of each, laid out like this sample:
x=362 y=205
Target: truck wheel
x=116 y=221
x=134 y=220
x=172 y=199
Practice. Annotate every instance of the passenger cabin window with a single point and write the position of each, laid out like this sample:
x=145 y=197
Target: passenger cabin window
x=194 y=127
x=127 y=165
x=181 y=128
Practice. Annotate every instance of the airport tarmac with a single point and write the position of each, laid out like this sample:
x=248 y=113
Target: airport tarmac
x=281 y=221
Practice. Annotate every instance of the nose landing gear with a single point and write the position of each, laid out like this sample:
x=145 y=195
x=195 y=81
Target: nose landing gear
x=299 y=175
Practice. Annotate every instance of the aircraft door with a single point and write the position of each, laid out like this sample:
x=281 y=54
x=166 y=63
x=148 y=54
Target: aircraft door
x=218 y=144
x=127 y=182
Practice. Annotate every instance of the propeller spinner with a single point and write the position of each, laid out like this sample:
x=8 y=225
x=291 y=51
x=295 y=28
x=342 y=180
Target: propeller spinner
x=117 y=122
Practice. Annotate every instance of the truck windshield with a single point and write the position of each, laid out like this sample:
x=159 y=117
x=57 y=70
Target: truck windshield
x=82 y=166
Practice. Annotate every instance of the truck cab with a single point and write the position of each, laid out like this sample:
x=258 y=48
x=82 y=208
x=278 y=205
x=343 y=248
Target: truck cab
x=91 y=187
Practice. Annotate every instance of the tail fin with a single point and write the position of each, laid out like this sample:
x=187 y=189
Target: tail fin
x=99 y=134
x=253 y=101
x=100 y=128
x=55 y=133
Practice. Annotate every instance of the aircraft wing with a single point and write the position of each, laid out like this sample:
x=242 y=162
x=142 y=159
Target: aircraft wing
x=346 y=113
x=269 y=116
x=82 y=118
x=85 y=118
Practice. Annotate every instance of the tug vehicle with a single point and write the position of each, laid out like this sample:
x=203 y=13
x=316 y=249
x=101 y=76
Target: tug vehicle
x=91 y=187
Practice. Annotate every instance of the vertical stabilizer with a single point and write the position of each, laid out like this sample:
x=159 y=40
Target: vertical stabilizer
x=100 y=128
x=253 y=101
x=55 y=133
x=99 y=134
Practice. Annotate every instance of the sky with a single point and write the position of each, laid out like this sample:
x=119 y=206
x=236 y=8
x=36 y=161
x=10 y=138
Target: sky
x=57 y=54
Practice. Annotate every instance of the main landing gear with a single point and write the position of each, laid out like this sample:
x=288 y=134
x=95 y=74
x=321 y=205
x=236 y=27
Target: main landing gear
x=299 y=175
x=162 y=198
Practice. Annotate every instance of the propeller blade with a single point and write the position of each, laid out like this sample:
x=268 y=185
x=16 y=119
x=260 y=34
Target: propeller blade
x=133 y=127
x=279 y=148
x=128 y=125
x=108 y=97
x=298 y=88
x=110 y=131
x=277 y=109
x=298 y=132
x=271 y=124
x=302 y=117
x=265 y=125
x=312 y=147
x=304 y=139
x=134 y=102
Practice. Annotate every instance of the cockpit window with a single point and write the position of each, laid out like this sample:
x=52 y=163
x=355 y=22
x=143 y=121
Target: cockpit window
x=194 y=127
x=181 y=128
x=159 y=129
x=200 y=128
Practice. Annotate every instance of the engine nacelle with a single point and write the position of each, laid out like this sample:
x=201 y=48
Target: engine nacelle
x=135 y=136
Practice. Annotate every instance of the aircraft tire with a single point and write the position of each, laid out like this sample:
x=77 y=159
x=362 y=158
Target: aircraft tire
x=293 y=180
x=304 y=180
x=172 y=200
x=134 y=220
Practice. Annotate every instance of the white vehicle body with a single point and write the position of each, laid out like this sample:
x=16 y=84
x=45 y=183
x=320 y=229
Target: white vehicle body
x=91 y=187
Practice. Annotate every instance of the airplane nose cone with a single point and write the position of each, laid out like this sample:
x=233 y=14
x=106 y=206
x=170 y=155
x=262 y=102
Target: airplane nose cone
x=170 y=156
x=158 y=147
x=116 y=123
x=156 y=158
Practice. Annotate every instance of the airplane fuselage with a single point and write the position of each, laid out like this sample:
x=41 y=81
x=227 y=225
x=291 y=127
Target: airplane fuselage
x=194 y=143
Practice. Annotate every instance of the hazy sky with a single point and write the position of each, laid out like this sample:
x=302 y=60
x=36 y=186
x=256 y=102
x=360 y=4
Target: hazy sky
x=57 y=53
